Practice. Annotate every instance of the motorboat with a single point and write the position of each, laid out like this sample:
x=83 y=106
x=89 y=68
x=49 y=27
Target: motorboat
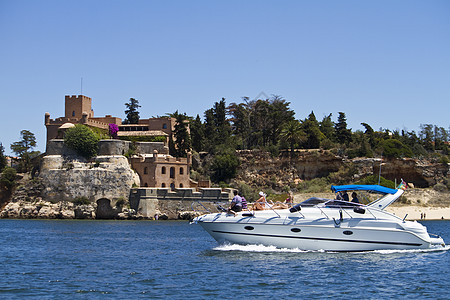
x=325 y=224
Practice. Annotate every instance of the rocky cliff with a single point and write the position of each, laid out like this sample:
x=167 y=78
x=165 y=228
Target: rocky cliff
x=260 y=169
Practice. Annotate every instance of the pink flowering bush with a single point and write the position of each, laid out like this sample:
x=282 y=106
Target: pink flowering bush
x=113 y=129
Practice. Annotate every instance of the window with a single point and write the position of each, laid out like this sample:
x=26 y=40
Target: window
x=164 y=126
x=163 y=170
x=172 y=172
x=181 y=171
x=145 y=170
x=163 y=185
x=146 y=185
x=73 y=114
x=181 y=185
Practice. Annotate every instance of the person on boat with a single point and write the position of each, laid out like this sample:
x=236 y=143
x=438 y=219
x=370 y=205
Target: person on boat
x=236 y=204
x=261 y=203
x=244 y=201
x=289 y=200
x=345 y=196
x=355 y=197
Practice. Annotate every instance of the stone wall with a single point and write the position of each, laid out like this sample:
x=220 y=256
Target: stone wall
x=149 y=202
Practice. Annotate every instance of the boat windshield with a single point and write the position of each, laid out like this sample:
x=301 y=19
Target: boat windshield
x=314 y=201
x=340 y=203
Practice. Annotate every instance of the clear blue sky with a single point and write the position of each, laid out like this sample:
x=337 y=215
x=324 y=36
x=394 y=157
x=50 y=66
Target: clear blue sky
x=386 y=63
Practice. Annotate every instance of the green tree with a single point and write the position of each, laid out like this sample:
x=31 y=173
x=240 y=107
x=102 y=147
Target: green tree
x=292 y=134
x=132 y=113
x=83 y=140
x=313 y=134
x=326 y=126
x=395 y=149
x=343 y=135
x=426 y=135
x=3 y=162
x=224 y=166
x=181 y=133
x=8 y=179
x=197 y=134
x=23 y=149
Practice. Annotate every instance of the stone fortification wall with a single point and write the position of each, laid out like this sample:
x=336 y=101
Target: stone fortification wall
x=68 y=179
x=149 y=147
x=149 y=202
x=113 y=147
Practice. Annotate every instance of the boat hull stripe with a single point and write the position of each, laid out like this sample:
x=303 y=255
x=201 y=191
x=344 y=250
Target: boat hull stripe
x=319 y=239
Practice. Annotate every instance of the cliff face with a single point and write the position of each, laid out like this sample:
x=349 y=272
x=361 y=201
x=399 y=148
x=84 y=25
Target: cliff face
x=66 y=179
x=260 y=169
x=70 y=187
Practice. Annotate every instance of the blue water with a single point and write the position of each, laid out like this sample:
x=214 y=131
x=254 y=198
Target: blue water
x=163 y=259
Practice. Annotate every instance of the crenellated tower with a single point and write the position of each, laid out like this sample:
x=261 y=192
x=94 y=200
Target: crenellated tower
x=76 y=105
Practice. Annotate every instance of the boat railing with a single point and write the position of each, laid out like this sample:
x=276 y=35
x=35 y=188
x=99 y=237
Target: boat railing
x=271 y=207
x=197 y=203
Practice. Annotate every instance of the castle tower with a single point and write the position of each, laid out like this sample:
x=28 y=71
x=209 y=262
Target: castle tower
x=77 y=105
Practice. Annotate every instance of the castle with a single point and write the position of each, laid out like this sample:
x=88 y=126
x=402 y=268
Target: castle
x=154 y=165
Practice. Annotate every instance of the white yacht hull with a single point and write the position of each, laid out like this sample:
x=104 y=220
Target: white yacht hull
x=287 y=230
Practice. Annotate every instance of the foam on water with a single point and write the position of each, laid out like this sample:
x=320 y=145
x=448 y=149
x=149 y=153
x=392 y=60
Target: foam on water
x=432 y=249
x=263 y=248
x=258 y=248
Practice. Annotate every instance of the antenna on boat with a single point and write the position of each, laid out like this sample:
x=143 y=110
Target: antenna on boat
x=379 y=171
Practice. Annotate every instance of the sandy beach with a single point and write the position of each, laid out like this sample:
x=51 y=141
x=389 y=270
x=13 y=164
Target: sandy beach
x=414 y=212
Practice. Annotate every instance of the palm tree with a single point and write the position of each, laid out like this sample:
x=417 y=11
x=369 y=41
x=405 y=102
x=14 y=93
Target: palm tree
x=292 y=134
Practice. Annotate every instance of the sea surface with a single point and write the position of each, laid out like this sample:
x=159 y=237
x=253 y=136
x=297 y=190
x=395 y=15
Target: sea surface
x=62 y=259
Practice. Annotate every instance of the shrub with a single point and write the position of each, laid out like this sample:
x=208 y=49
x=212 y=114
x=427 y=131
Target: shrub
x=315 y=185
x=81 y=201
x=394 y=148
x=83 y=140
x=224 y=167
x=8 y=179
x=373 y=179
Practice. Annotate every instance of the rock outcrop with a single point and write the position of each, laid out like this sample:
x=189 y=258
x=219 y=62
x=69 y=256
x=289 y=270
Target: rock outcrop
x=258 y=168
x=70 y=178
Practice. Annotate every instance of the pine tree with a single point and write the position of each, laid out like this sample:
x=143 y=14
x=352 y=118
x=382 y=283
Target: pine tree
x=343 y=135
x=132 y=113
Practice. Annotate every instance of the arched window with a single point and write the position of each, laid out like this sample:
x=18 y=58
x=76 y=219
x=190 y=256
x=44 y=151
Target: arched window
x=164 y=126
x=172 y=172
x=145 y=170
x=181 y=185
x=145 y=184
x=163 y=185
x=181 y=171
x=163 y=170
x=73 y=114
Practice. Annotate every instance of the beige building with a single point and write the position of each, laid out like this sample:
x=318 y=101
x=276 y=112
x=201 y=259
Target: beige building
x=162 y=170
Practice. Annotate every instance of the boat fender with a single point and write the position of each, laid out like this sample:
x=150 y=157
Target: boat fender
x=295 y=208
x=359 y=210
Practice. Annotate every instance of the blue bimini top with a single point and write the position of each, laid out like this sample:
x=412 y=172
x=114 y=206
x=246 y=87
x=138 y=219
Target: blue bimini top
x=361 y=187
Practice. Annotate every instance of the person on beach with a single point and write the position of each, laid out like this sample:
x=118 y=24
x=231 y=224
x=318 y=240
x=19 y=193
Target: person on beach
x=236 y=204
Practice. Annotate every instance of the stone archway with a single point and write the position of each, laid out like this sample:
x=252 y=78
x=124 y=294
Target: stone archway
x=104 y=209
